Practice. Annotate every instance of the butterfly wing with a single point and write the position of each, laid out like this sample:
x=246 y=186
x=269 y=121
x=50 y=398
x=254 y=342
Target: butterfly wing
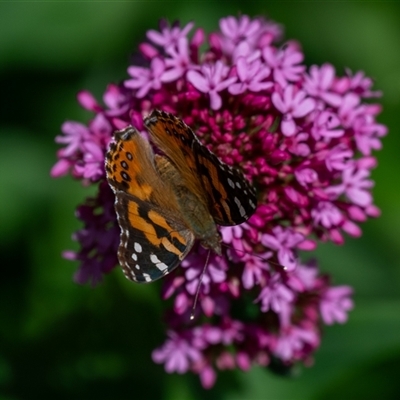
x=152 y=243
x=153 y=238
x=175 y=139
x=230 y=198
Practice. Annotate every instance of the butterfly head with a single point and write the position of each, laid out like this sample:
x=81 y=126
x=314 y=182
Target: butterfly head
x=212 y=241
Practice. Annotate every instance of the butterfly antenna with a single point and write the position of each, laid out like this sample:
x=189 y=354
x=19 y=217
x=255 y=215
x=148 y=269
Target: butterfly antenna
x=198 y=286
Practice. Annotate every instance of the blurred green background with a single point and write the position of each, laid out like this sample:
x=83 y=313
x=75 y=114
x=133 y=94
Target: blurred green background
x=60 y=340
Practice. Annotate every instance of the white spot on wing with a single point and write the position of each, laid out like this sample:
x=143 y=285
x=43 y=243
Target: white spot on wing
x=158 y=263
x=124 y=244
x=240 y=207
x=137 y=247
x=146 y=277
x=230 y=182
x=134 y=256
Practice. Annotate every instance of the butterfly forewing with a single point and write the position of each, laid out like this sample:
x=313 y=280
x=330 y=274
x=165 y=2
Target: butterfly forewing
x=228 y=194
x=176 y=140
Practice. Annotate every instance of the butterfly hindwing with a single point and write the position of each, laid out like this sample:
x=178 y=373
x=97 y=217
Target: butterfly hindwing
x=232 y=199
x=152 y=243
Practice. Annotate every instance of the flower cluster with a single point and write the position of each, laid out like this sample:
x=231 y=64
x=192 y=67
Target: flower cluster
x=303 y=137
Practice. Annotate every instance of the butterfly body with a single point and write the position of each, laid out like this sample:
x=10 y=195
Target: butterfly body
x=192 y=210
x=165 y=202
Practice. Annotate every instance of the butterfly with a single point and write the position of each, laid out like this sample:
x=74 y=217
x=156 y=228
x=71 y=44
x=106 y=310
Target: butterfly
x=166 y=202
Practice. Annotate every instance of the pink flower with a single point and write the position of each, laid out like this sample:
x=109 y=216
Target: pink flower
x=179 y=63
x=211 y=79
x=277 y=297
x=284 y=241
x=239 y=30
x=75 y=134
x=326 y=214
x=177 y=354
x=319 y=82
x=337 y=157
x=292 y=104
x=169 y=36
x=251 y=76
x=293 y=343
x=284 y=63
x=254 y=270
x=368 y=134
x=146 y=79
x=326 y=125
x=354 y=186
x=335 y=304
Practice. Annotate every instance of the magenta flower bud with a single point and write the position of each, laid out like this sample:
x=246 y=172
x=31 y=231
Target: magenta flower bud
x=279 y=156
x=148 y=50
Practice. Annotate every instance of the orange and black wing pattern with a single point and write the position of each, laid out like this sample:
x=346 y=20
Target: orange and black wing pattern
x=229 y=196
x=154 y=240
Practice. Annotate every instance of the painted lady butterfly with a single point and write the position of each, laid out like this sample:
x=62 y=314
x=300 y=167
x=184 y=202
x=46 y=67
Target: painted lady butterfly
x=165 y=202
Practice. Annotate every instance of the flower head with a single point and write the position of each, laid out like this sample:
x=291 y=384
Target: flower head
x=302 y=136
